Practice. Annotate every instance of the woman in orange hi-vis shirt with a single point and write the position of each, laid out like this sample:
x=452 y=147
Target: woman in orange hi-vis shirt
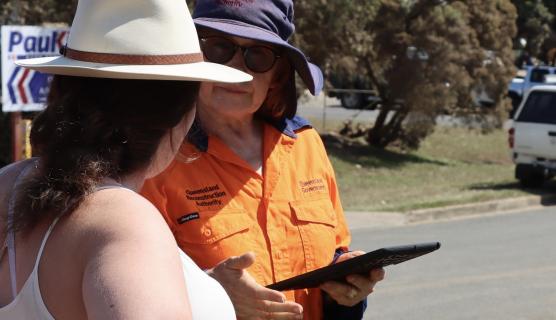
x=259 y=204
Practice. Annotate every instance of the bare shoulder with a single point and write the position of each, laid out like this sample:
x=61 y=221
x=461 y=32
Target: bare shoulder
x=121 y=214
x=130 y=257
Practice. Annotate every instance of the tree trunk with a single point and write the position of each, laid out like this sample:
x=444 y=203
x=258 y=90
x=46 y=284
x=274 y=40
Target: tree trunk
x=386 y=131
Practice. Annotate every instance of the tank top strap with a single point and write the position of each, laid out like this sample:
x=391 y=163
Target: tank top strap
x=10 y=237
x=109 y=186
x=43 y=243
x=109 y=183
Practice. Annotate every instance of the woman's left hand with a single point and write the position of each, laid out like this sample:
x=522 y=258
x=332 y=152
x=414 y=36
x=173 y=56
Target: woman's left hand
x=357 y=287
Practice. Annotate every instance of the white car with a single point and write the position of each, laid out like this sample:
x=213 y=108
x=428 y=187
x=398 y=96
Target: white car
x=525 y=80
x=533 y=137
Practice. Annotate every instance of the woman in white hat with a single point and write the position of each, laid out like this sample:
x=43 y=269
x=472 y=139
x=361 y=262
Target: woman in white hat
x=79 y=242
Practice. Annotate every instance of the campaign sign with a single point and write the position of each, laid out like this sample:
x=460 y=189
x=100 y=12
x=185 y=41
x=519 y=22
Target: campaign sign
x=24 y=89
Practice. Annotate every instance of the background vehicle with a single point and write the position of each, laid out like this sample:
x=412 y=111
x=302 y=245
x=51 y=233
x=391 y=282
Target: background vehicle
x=354 y=92
x=525 y=80
x=533 y=137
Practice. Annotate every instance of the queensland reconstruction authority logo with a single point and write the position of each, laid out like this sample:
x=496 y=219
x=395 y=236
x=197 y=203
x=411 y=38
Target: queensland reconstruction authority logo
x=206 y=196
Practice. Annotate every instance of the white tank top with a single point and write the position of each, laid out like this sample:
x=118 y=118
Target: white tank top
x=207 y=298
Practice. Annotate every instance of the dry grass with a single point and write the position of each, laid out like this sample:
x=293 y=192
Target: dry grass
x=453 y=166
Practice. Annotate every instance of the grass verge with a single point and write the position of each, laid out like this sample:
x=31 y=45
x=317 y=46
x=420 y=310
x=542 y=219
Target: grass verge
x=453 y=166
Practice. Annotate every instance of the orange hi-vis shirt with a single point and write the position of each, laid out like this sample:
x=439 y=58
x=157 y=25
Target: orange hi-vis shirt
x=218 y=206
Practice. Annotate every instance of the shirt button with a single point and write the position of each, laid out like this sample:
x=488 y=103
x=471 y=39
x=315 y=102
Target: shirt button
x=208 y=232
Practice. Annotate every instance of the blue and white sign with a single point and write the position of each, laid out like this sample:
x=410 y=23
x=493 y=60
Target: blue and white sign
x=24 y=89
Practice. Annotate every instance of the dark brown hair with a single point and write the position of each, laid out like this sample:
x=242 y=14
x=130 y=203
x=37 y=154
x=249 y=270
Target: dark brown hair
x=281 y=98
x=93 y=128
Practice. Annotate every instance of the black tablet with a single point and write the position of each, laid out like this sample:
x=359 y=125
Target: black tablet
x=358 y=265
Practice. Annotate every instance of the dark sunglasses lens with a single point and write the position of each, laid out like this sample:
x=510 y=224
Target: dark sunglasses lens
x=218 y=50
x=259 y=59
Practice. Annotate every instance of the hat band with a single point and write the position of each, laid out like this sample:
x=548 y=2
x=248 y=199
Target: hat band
x=132 y=59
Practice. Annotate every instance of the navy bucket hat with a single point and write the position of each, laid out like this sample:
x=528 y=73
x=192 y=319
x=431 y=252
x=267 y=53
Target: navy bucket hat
x=270 y=21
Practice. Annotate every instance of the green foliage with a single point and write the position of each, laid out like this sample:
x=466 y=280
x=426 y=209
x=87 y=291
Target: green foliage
x=534 y=22
x=425 y=58
x=35 y=12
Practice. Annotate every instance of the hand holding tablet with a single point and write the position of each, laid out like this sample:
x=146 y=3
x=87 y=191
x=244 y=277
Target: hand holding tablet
x=359 y=265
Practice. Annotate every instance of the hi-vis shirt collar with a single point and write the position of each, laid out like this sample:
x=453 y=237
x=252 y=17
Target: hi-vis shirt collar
x=199 y=138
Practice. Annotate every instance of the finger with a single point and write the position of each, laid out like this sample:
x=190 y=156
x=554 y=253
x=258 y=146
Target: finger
x=248 y=312
x=241 y=262
x=259 y=309
x=344 y=294
x=362 y=283
x=288 y=307
x=346 y=300
x=378 y=274
x=338 y=290
x=357 y=253
x=262 y=293
x=349 y=255
x=285 y=316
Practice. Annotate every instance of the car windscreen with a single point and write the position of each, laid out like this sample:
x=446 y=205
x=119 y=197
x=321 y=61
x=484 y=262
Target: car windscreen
x=540 y=107
x=537 y=75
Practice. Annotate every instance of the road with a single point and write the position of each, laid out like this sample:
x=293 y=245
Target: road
x=334 y=113
x=494 y=267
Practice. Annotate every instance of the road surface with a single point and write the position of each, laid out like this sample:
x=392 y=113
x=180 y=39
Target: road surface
x=495 y=267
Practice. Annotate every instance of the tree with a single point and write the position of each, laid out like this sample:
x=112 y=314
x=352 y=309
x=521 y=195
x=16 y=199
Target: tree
x=424 y=57
x=534 y=23
x=36 y=12
x=549 y=45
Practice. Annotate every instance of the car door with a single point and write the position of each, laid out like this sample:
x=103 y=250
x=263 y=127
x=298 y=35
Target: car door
x=535 y=125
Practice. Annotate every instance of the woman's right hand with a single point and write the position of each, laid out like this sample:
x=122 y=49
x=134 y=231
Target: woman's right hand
x=250 y=299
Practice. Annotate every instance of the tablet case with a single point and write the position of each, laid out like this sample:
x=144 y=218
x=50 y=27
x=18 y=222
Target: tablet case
x=359 y=265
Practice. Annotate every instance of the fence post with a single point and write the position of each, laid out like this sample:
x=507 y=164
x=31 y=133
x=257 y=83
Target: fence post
x=17 y=139
x=324 y=111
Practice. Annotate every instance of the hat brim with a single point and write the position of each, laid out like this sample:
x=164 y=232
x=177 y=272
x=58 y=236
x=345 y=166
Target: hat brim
x=200 y=71
x=309 y=73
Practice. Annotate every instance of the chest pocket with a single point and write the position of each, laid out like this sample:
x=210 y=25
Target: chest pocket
x=213 y=226
x=216 y=235
x=316 y=221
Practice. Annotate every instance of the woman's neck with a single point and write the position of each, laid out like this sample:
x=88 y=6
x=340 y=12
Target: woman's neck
x=229 y=126
x=134 y=181
x=243 y=134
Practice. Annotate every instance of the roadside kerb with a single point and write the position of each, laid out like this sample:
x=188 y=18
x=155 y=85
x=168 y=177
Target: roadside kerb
x=358 y=220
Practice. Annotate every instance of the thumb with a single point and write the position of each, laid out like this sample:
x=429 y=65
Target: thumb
x=349 y=255
x=241 y=262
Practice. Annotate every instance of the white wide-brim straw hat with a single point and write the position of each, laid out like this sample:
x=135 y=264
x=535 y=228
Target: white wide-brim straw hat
x=134 y=39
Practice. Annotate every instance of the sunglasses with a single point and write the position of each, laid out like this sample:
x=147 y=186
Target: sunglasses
x=221 y=50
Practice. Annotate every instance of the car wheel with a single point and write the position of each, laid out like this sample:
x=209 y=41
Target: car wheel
x=530 y=176
x=351 y=100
